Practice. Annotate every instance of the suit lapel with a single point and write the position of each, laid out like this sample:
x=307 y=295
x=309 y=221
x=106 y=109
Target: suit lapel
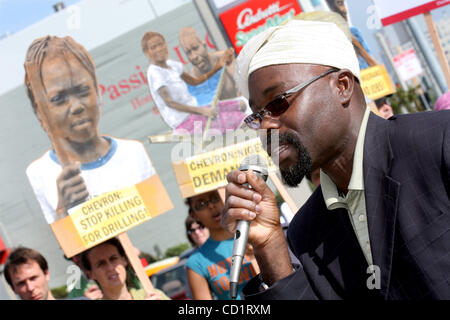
x=381 y=193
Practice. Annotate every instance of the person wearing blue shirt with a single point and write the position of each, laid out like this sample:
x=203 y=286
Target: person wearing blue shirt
x=208 y=268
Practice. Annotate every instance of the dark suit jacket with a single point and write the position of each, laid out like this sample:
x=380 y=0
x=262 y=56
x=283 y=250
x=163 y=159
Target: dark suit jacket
x=407 y=190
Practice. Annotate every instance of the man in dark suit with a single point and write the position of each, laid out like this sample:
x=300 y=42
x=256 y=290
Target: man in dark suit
x=378 y=227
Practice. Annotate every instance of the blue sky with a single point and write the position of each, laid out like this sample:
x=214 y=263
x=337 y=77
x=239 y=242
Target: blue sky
x=16 y=15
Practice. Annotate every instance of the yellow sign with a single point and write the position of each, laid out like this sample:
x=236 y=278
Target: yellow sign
x=103 y=217
x=208 y=171
x=376 y=83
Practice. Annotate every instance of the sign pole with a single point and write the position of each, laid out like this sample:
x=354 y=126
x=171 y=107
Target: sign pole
x=135 y=262
x=214 y=103
x=283 y=192
x=438 y=47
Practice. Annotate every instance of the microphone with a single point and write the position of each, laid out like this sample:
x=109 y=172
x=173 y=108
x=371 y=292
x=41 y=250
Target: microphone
x=258 y=164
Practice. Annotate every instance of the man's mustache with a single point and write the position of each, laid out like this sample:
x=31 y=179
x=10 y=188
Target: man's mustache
x=266 y=137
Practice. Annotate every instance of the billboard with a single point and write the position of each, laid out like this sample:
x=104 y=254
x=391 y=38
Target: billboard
x=252 y=17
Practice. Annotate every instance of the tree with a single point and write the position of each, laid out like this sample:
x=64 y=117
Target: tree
x=176 y=250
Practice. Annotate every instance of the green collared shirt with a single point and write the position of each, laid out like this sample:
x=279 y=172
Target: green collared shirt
x=354 y=201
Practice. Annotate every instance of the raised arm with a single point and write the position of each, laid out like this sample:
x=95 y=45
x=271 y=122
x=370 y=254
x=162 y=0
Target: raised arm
x=165 y=95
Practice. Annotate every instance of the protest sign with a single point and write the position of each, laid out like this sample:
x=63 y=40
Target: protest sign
x=208 y=171
x=376 y=83
x=408 y=65
x=110 y=214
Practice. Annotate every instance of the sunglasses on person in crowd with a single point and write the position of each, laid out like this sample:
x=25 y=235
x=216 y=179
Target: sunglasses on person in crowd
x=202 y=204
x=192 y=230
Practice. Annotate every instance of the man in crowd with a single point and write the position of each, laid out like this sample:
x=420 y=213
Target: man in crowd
x=26 y=271
x=378 y=225
x=384 y=109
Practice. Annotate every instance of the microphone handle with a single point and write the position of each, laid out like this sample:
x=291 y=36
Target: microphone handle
x=239 y=246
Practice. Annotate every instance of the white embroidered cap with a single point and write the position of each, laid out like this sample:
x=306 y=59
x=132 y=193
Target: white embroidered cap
x=298 y=41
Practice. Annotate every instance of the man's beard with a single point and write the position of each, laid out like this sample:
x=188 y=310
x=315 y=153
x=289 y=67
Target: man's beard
x=293 y=175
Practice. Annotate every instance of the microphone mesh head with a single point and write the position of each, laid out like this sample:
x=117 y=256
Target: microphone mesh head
x=254 y=162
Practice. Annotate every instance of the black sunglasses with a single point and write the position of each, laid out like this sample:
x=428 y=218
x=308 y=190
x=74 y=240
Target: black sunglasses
x=280 y=104
x=192 y=230
x=202 y=204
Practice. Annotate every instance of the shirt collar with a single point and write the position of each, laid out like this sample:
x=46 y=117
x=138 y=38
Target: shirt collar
x=97 y=163
x=329 y=189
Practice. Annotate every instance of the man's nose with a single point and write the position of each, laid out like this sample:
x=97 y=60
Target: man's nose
x=269 y=123
x=29 y=285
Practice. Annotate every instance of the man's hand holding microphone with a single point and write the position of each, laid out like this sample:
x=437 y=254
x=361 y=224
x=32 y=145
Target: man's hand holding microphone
x=249 y=198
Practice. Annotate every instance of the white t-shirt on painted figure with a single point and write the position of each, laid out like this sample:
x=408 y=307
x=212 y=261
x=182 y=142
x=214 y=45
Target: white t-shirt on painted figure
x=125 y=164
x=171 y=78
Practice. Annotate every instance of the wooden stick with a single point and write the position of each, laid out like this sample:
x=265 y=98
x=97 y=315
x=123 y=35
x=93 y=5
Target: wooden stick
x=438 y=47
x=214 y=102
x=283 y=192
x=221 y=192
x=133 y=258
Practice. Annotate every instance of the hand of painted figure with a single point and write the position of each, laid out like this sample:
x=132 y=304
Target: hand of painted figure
x=208 y=112
x=226 y=58
x=71 y=189
x=242 y=105
x=257 y=205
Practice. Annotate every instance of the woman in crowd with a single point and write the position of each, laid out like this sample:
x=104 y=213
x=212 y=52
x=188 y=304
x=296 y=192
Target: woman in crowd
x=107 y=264
x=196 y=232
x=208 y=268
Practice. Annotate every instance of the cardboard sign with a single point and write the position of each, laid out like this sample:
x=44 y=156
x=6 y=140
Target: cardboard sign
x=376 y=83
x=252 y=17
x=394 y=11
x=208 y=171
x=110 y=214
x=407 y=65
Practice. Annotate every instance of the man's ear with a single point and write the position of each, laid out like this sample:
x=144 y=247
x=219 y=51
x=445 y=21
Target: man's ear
x=345 y=83
x=47 y=275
